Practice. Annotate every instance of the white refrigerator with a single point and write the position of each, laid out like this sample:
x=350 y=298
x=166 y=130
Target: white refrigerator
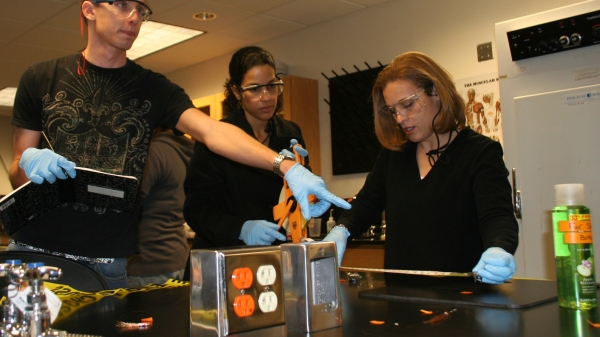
x=551 y=124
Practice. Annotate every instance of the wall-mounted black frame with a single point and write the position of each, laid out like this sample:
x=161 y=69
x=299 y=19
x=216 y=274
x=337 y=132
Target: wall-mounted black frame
x=354 y=146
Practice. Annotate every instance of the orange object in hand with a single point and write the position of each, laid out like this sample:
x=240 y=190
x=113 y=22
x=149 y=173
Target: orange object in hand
x=289 y=209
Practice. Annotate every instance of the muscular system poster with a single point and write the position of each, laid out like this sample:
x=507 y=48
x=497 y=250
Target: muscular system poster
x=482 y=104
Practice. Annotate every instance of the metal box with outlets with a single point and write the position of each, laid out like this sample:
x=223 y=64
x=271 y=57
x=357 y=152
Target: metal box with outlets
x=312 y=286
x=236 y=290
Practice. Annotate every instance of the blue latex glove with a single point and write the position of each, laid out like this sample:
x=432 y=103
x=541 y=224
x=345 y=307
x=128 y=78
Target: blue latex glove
x=302 y=183
x=260 y=232
x=495 y=266
x=301 y=151
x=45 y=164
x=339 y=236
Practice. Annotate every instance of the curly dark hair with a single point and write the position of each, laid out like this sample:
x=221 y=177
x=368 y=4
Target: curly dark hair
x=242 y=61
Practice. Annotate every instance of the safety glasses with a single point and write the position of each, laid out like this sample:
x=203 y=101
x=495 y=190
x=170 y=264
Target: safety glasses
x=256 y=91
x=126 y=8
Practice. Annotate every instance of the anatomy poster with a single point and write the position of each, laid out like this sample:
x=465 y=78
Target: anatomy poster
x=482 y=104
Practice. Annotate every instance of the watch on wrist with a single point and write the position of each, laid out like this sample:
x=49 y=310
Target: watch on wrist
x=277 y=163
x=339 y=226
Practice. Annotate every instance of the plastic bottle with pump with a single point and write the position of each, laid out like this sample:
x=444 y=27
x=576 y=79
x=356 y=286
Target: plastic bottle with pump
x=573 y=248
x=330 y=222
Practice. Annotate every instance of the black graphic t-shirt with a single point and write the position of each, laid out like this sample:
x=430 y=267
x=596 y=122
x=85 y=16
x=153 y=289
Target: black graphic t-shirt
x=101 y=120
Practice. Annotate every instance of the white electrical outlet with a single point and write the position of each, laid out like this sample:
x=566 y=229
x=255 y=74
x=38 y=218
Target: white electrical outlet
x=266 y=275
x=245 y=291
x=267 y=302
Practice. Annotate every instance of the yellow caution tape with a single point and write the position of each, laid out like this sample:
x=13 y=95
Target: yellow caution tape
x=73 y=299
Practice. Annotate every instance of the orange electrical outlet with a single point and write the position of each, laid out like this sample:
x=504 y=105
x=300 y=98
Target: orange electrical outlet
x=243 y=305
x=242 y=278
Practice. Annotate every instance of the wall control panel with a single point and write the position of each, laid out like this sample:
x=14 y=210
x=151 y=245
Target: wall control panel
x=557 y=36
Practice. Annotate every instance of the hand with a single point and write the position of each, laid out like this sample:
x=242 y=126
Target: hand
x=302 y=183
x=45 y=164
x=495 y=266
x=301 y=151
x=339 y=236
x=260 y=232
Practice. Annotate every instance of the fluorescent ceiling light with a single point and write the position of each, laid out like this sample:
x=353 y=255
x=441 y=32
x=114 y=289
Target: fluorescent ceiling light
x=155 y=36
x=7 y=96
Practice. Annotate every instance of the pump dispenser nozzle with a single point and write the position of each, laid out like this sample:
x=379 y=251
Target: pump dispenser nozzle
x=330 y=222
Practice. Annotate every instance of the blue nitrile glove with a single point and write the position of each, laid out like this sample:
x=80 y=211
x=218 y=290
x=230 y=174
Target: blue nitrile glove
x=45 y=164
x=339 y=236
x=301 y=151
x=495 y=266
x=302 y=183
x=260 y=232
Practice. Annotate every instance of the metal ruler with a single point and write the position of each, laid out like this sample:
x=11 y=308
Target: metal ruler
x=415 y=272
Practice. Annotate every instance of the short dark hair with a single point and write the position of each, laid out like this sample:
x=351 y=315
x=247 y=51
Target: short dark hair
x=242 y=61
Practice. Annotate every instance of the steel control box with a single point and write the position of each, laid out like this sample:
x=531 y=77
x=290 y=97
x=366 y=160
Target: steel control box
x=312 y=286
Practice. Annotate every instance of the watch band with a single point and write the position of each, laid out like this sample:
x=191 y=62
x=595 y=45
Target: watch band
x=341 y=226
x=277 y=163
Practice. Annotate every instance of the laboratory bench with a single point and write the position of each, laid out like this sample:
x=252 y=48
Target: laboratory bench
x=423 y=311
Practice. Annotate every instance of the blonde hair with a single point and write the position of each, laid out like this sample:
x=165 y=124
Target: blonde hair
x=425 y=73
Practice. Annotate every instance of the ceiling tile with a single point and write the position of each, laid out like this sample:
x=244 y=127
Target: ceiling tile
x=183 y=15
x=190 y=52
x=67 y=19
x=12 y=29
x=258 y=6
x=34 y=10
x=259 y=28
x=367 y=2
x=310 y=12
x=55 y=38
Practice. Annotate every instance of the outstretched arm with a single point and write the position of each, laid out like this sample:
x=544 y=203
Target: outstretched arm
x=231 y=142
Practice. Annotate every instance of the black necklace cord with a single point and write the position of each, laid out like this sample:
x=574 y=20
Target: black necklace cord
x=439 y=154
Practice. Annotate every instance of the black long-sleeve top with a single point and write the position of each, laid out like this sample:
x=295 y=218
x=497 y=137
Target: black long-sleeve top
x=446 y=220
x=221 y=195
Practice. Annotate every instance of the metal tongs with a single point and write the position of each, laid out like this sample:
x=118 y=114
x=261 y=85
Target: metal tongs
x=476 y=278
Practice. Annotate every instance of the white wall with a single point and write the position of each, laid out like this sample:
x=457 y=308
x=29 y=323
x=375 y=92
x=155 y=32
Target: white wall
x=448 y=31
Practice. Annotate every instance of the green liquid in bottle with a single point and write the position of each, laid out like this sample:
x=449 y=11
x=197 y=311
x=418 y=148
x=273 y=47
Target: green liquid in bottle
x=575 y=276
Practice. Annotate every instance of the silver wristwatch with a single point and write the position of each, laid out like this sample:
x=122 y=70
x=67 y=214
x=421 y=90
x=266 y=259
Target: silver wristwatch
x=277 y=163
x=340 y=226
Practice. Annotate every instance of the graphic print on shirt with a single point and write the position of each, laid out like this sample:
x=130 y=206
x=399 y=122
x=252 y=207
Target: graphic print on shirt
x=97 y=122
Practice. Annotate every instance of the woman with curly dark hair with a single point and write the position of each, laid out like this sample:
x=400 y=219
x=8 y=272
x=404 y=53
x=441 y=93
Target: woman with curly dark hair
x=229 y=204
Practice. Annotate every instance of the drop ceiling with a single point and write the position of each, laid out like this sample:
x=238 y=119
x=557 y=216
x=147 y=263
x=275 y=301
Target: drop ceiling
x=38 y=30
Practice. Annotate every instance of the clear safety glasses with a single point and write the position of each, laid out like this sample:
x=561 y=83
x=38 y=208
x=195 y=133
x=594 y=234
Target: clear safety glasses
x=126 y=8
x=406 y=107
x=256 y=91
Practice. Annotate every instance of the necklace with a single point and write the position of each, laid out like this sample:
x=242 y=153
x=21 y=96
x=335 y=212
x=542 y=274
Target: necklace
x=267 y=138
